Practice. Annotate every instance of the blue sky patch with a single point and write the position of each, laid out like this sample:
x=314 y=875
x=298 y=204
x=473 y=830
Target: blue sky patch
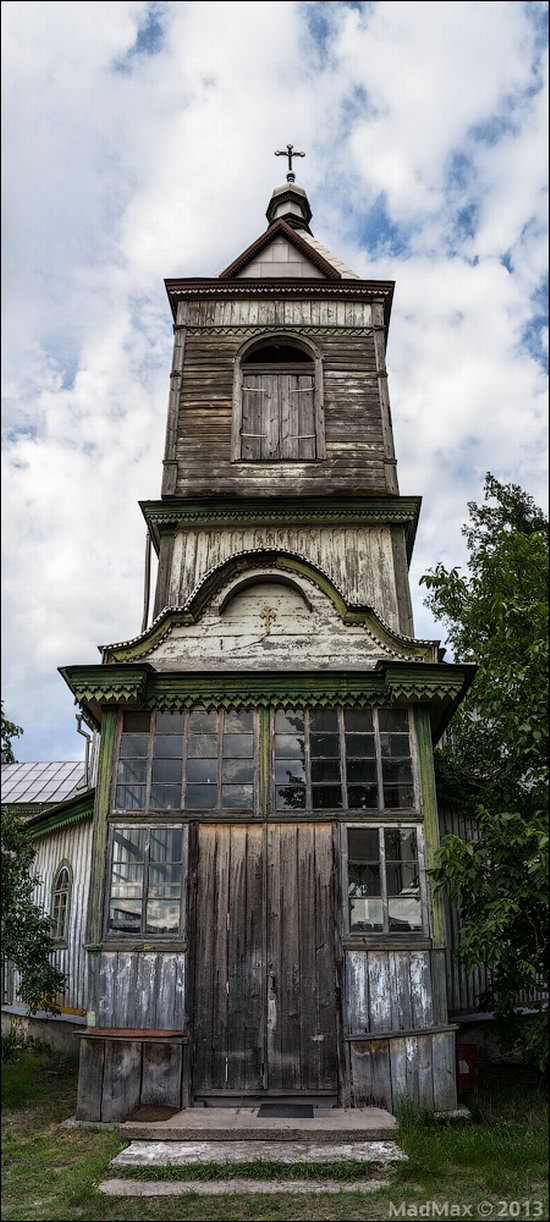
x=149 y=38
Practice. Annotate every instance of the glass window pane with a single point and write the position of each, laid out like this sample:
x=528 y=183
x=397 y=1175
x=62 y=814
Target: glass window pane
x=203 y=722
x=129 y=771
x=325 y=797
x=363 y=844
x=393 y=721
x=202 y=797
x=134 y=746
x=168 y=746
x=289 y=721
x=164 y=881
x=127 y=874
x=202 y=745
x=163 y=916
x=169 y=723
x=125 y=915
x=289 y=771
x=130 y=797
x=290 y=797
x=398 y=797
x=358 y=721
x=167 y=770
x=129 y=844
x=323 y=719
x=362 y=770
x=394 y=745
x=324 y=746
x=362 y=797
x=166 y=797
x=202 y=770
x=405 y=914
x=325 y=770
x=134 y=722
x=236 y=746
x=402 y=879
x=360 y=746
x=165 y=844
x=364 y=880
x=400 y=843
x=238 y=797
x=238 y=770
x=365 y=915
x=239 y=723
x=397 y=771
x=288 y=746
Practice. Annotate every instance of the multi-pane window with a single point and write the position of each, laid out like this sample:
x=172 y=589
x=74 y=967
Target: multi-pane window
x=333 y=759
x=384 y=880
x=146 y=880
x=60 y=904
x=201 y=760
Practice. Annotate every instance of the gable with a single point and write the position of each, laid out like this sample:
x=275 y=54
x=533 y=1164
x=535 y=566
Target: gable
x=280 y=260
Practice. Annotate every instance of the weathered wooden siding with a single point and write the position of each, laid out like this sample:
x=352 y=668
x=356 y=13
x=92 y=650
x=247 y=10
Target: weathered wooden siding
x=306 y=632
x=140 y=989
x=73 y=845
x=356 y=447
x=358 y=559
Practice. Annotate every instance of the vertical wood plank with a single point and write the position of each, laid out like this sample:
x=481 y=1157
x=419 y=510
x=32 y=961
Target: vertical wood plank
x=90 y=1080
x=161 y=1075
x=121 y=1079
x=444 y=1070
x=379 y=991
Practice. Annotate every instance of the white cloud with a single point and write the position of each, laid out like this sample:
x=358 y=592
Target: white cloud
x=114 y=179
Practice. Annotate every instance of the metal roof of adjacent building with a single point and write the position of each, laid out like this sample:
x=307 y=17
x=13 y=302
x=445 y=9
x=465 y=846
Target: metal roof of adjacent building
x=44 y=783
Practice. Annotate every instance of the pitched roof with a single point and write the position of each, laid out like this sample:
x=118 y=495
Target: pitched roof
x=44 y=783
x=308 y=247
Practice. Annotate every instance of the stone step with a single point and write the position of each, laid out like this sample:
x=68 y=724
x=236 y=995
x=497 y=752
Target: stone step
x=328 y=1125
x=174 y=1153
x=217 y=1188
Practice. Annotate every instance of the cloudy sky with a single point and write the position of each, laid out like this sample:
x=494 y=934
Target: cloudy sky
x=138 y=144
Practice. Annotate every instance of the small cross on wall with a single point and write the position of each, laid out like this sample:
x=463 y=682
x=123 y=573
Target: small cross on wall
x=268 y=615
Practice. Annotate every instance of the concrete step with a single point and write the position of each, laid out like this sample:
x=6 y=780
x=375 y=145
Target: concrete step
x=332 y=1125
x=218 y=1188
x=225 y=1153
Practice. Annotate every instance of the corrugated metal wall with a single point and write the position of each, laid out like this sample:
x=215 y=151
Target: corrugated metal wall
x=71 y=844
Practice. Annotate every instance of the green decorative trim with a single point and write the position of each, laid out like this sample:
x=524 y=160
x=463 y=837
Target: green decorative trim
x=63 y=819
x=25 y=809
x=167 y=515
x=121 y=687
x=103 y=793
x=431 y=819
x=390 y=641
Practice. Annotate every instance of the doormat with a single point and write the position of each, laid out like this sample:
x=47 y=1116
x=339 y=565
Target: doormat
x=304 y=1110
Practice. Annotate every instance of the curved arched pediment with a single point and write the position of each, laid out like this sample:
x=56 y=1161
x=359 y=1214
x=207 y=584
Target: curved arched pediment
x=265 y=611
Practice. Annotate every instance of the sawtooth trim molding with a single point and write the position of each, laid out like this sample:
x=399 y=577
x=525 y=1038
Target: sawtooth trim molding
x=191 y=611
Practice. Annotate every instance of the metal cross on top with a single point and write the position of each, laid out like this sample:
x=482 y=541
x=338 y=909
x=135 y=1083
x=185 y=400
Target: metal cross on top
x=290 y=153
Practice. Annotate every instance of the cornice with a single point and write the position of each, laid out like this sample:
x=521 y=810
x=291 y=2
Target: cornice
x=441 y=685
x=167 y=515
x=211 y=287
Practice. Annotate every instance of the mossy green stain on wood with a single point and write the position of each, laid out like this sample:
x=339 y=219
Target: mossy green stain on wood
x=431 y=818
x=103 y=791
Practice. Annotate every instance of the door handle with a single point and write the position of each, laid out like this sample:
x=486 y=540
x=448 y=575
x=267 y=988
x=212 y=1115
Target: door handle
x=271 y=1003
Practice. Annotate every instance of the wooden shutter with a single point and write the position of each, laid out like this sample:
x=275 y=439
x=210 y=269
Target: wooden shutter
x=260 y=416
x=297 y=414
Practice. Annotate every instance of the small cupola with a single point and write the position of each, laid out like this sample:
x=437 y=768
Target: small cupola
x=290 y=202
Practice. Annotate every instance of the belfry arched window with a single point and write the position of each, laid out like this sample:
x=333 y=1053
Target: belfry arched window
x=278 y=403
x=61 y=901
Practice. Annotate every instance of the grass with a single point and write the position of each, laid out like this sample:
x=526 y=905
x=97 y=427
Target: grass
x=52 y=1173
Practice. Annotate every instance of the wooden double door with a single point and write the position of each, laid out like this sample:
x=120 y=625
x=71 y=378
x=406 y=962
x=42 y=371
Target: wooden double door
x=265 y=974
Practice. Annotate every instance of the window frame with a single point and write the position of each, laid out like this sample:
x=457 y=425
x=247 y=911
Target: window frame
x=118 y=935
x=385 y=934
x=261 y=341
x=61 y=939
x=372 y=812
x=184 y=811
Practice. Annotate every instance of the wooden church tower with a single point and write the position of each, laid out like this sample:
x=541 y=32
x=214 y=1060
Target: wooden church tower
x=262 y=922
